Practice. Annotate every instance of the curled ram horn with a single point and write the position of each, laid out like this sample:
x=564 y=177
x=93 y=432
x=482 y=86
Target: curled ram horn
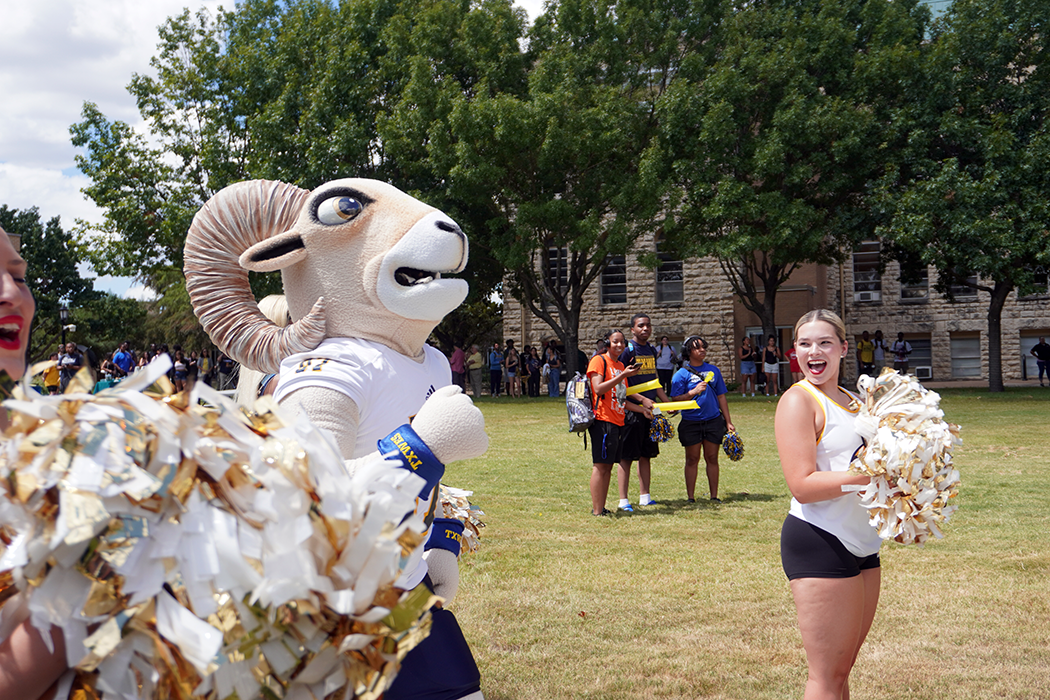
x=232 y=221
x=908 y=457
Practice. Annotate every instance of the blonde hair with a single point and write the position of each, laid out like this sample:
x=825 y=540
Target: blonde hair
x=826 y=316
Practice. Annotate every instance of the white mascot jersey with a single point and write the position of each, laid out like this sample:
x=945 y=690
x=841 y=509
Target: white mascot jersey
x=387 y=387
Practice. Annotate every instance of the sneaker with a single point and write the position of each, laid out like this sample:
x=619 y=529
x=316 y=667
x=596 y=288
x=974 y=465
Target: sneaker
x=716 y=500
x=691 y=500
x=627 y=508
x=650 y=502
x=605 y=513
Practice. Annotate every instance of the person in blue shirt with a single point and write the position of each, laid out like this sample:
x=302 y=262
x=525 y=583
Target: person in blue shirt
x=123 y=359
x=495 y=370
x=701 y=429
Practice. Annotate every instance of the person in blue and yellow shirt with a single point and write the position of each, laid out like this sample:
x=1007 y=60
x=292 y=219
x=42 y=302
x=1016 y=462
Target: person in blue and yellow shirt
x=636 y=442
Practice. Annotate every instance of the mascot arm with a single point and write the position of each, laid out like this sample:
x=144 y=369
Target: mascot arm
x=443 y=567
x=442 y=556
x=329 y=409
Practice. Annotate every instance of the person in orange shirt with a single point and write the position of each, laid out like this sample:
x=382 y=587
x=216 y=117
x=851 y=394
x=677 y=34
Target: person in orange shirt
x=607 y=378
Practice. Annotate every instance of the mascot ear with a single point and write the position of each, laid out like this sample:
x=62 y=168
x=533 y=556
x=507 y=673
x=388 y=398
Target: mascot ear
x=283 y=250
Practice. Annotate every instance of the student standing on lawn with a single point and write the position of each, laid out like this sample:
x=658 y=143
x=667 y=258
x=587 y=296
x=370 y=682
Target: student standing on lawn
x=866 y=355
x=495 y=370
x=475 y=364
x=1041 y=352
x=636 y=442
x=703 y=428
x=901 y=349
x=829 y=551
x=607 y=375
x=666 y=359
x=552 y=360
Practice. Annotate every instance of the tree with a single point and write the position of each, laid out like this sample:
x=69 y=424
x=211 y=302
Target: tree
x=553 y=173
x=286 y=91
x=972 y=195
x=52 y=275
x=772 y=150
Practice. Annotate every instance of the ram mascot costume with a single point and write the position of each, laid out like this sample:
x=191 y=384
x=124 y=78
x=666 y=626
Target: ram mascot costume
x=362 y=265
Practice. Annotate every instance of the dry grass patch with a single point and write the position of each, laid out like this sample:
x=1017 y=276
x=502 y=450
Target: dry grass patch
x=683 y=601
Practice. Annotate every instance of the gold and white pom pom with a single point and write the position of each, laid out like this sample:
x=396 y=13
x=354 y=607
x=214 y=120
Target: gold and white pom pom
x=193 y=551
x=455 y=503
x=907 y=455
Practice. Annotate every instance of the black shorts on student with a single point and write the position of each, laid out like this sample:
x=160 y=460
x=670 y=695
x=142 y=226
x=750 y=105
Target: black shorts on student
x=636 y=441
x=693 y=432
x=806 y=551
x=606 y=442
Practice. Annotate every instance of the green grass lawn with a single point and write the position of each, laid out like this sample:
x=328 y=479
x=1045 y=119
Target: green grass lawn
x=689 y=601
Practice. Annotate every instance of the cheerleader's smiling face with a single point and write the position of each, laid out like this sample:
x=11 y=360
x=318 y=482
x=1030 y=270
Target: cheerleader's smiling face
x=820 y=351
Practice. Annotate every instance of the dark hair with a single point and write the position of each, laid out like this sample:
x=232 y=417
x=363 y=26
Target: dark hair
x=638 y=316
x=609 y=334
x=692 y=343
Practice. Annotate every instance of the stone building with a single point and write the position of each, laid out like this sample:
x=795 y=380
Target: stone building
x=683 y=297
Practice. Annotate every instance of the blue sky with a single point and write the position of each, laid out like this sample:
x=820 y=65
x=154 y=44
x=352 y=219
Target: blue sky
x=54 y=56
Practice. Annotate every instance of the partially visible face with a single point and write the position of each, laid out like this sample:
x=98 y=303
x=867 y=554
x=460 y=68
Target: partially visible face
x=642 y=329
x=617 y=343
x=698 y=354
x=71 y=348
x=16 y=309
x=819 y=351
x=865 y=335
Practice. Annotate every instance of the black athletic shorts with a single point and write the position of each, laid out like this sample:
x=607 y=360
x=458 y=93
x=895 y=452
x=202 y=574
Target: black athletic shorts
x=636 y=440
x=606 y=442
x=806 y=551
x=693 y=432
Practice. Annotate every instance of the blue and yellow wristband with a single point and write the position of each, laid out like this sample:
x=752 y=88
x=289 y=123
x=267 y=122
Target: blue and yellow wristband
x=446 y=533
x=405 y=444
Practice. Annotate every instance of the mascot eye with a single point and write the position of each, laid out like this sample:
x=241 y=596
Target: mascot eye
x=338 y=210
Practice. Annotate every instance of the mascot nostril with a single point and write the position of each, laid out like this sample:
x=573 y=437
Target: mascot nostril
x=355 y=359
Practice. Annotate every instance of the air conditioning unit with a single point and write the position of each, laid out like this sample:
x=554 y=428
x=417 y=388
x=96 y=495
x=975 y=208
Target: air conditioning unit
x=923 y=372
x=867 y=296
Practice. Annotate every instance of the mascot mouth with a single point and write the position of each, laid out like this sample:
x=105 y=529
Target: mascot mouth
x=411 y=277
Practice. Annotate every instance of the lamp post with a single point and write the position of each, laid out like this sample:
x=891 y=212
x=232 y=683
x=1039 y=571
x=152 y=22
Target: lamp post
x=63 y=316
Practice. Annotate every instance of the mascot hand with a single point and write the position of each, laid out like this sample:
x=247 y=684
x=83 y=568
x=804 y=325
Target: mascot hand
x=443 y=567
x=451 y=426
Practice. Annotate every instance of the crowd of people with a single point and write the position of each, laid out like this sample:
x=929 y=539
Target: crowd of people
x=186 y=366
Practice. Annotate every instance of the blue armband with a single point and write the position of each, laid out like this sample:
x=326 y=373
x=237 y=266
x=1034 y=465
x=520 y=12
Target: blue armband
x=447 y=533
x=414 y=455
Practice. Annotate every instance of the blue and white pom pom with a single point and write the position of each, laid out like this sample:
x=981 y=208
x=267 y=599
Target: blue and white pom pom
x=733 y=446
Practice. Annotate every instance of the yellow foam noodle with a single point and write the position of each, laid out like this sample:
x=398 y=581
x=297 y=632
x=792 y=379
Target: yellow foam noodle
x=676 y=405
x=639 y=388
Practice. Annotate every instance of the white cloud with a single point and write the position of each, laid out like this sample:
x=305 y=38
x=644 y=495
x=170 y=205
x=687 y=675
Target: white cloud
x=55 y=194
x=140 y=292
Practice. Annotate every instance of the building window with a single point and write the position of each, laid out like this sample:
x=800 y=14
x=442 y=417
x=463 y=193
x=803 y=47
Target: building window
x=669 y=278
x=918 y=291
x=614 y=281
x=965 y=292
x=1041 y=282
x=920 y=361
x=966 y=357
x=558 y=267
x=867 y=284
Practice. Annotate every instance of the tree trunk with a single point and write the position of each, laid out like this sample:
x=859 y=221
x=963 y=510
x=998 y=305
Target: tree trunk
x=995 y=337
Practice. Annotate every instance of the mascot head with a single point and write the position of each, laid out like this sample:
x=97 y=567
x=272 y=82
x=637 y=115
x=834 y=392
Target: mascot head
x=359 y=259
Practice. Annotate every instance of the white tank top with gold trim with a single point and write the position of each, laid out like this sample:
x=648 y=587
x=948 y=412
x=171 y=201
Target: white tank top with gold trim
x=844 y=516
